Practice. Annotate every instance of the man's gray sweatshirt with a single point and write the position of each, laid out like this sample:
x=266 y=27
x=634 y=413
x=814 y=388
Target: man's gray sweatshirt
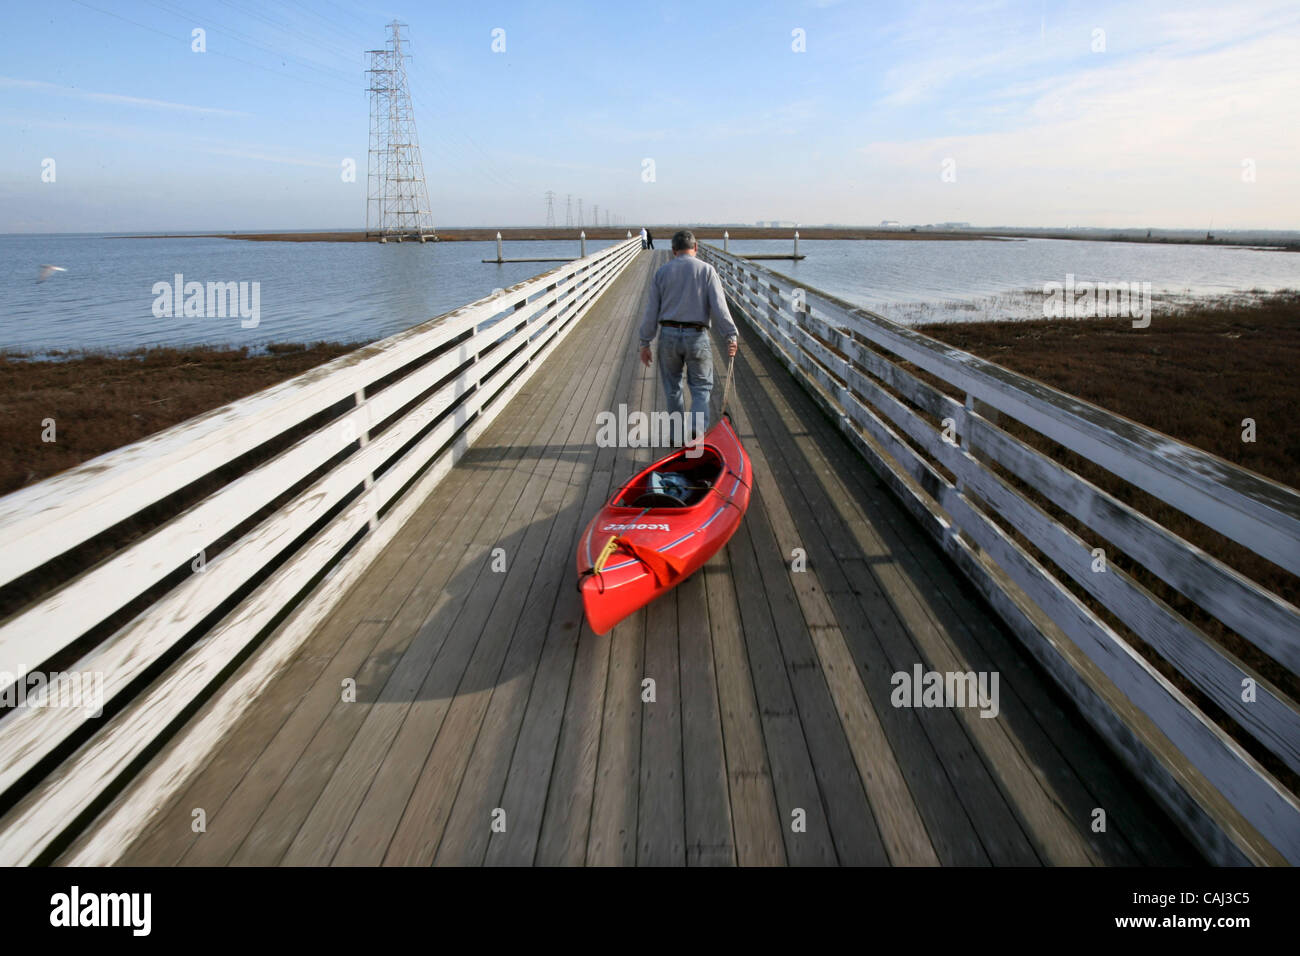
x=686 y=289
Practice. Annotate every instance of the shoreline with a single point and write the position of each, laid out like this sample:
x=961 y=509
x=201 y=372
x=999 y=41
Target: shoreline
x=664 y=232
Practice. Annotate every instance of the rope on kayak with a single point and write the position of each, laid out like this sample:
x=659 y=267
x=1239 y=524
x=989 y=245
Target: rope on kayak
x=726 y=387
x=610 y=545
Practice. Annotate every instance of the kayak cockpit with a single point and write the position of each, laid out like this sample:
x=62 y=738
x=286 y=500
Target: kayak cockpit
x=679 y=482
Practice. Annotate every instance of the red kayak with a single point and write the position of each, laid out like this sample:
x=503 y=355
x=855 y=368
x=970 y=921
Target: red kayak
x=662 y=525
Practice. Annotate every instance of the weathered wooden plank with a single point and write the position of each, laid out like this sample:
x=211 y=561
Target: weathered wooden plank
x=830 y=474
x=273 y=830
x=1258 y=615
x=837 y=541
x=1146 y=752
x=1206 y=746
x=1273 y=719
x=68 y=612
x=612 y=836
x=565 y=833
x=1261 y=514
x=297 y=762
x=53 y=515
x=448 y=772
x=900 y=828
x=205 y=659
x=1190 y=734
x=758 y=822
x=812 y=769
x=1067 y=751
x=540 y=761
x=366 y=795
x=661 y=813
x=707 y=805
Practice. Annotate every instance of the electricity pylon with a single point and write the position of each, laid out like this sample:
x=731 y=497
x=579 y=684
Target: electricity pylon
x=397 y=201
x=550 y=209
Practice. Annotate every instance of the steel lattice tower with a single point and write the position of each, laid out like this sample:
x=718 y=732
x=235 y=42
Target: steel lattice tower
x=550 y=209
x=397 y=203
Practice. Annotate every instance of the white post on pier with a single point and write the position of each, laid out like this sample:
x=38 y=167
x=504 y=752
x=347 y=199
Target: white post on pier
x=498 y=247
x=629 y=233
x=582 y=244
x=726 y=239
x=796 y=243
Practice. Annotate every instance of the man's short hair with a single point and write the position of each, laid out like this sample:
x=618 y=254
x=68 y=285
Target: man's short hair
x=683 y=239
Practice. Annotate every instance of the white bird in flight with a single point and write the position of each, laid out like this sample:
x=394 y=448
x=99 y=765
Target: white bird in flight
x=47 y=271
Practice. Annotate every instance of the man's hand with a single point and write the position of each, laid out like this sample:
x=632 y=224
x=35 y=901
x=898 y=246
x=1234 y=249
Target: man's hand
x=645 y=356
x=732 y=346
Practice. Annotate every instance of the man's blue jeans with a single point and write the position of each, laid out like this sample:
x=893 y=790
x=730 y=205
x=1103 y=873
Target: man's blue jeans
x=686 y=350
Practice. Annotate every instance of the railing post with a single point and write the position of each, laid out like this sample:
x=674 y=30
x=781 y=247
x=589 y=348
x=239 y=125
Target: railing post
x=726 y=241
x=498 y=247
x=796 y=243
x=582 y=244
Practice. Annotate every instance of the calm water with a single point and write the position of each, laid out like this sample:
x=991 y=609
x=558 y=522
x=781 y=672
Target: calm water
x=310 y=291
x=917 y=281
x=319 y=291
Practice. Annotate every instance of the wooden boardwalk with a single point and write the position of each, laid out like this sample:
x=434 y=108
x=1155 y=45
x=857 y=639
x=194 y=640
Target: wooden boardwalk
x=491 y=726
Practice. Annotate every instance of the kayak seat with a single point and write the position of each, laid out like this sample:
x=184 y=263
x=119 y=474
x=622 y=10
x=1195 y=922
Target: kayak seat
x=678 y=483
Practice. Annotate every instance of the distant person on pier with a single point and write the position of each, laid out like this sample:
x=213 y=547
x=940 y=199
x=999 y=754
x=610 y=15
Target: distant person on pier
x=643 y=238
x=649 y=238
x=685 y=295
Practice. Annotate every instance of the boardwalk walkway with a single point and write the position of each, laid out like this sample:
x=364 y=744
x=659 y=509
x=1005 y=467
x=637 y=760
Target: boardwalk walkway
x=491 y=726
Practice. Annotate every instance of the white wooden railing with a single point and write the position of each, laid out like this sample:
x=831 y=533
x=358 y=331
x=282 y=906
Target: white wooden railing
x=256 y=560
x=1234 y=809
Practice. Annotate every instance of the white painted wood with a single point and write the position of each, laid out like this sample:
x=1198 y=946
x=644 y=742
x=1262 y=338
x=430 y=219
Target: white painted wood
x=39 y=632
x=1261 y=514
x=46 y=519
x=541 y=313
x=1258 y=615
x=1259 y=818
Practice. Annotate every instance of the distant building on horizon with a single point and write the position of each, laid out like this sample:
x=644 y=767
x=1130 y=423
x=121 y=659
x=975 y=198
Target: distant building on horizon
x=890 y=223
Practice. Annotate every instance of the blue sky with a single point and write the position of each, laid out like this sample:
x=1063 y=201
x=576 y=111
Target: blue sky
x=1042 y=113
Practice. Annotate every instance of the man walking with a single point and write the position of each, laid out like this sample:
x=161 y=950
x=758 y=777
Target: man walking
x=649 y=238
x=685 y=294
x=643 y=236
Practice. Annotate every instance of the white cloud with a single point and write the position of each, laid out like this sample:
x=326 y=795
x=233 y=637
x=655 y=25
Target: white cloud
x=42 y=86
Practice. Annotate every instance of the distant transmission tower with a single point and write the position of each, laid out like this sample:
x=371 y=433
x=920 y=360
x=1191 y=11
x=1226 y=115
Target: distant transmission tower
x=579 y=210
x=550 y=209
x=397 y=203
x=568 y=210
x=595 y=214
